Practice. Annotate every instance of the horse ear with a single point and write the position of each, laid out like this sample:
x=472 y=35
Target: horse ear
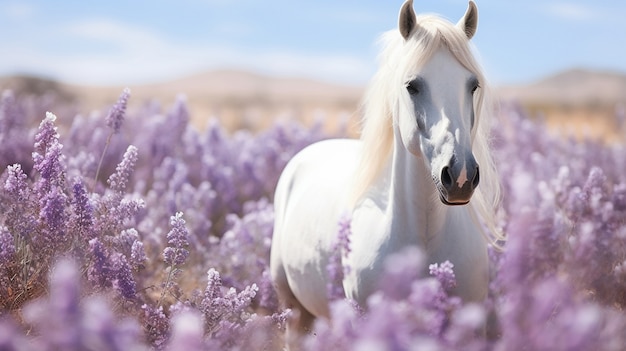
x=469 y=22
x=407 y=21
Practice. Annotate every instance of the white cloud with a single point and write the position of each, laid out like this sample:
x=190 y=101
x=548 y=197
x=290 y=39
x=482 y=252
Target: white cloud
x=572 y=12
x=113 y=32
x=119 y=53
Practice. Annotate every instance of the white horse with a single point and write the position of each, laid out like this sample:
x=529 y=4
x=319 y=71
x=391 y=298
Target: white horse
x=407 y=182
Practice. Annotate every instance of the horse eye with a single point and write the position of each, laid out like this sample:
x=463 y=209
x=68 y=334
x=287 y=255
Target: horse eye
x=412 y=89
x=475 y=87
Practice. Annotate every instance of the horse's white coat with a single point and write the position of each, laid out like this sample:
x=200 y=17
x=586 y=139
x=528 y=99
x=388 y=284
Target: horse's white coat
x=400 y=208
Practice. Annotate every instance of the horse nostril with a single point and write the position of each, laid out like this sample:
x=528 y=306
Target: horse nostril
x=476 y=179
x=446 y=177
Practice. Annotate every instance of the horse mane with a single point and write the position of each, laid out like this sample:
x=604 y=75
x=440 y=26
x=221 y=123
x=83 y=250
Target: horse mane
x=379 y=106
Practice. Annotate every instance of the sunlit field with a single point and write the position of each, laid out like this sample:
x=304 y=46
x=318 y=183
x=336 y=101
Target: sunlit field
x=132 y=229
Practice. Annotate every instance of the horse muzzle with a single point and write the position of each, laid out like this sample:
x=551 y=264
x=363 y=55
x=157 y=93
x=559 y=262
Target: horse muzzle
x=458 y=182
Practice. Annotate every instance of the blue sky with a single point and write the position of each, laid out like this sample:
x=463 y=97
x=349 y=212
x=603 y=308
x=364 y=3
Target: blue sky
x=129 y=42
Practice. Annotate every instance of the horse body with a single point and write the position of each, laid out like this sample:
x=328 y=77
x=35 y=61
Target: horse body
x=406 y=183
x=311 y=197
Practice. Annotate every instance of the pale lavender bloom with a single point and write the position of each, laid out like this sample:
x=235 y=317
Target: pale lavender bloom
x=11 y=337
x=124 y=281
x=178 y=117
x=47 y=157
x=137 y=255
x=338 y=333
x=7 y=246
x=100 y=272
x=110 y=332
x=62 y=331
x=187 y=331
x=8 y=118
x=219 y=307
x=268 y=298
x=156 y=325
x=176 y=253
x=429 y=297
x=336 y=269
x=19 y=213
x=401 y=270
x=116 y=212
x=53 y=216
x=64 y=321
x=244 y=247
x=343 y=236
x=444 y=273
x=124 y=169
x=126 y=209
x=242 y=299
x=123 y=242
x=115 y=117
x=212 y=304
x=46 y=136
x=15 y=183
x=83 y=211
x=50 y=164
x=466 y=323
x=213 y=287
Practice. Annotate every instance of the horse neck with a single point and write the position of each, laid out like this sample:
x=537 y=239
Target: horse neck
x=413 y=199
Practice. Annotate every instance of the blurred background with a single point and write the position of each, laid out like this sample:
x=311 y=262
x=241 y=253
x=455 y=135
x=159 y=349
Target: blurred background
x=251 y=62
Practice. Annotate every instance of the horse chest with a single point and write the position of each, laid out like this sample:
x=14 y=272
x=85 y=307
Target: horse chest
x=373 y=240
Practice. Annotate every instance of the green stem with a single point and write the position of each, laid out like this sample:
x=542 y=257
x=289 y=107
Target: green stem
x=166 y=287
x=106 y=147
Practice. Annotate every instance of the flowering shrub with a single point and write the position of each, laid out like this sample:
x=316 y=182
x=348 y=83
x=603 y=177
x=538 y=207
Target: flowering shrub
x=134 y=231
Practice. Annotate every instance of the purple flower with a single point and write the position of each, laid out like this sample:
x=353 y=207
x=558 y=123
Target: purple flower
x=7 y=246
x=124 y=169
x=49 y=165
x=83 y=211
x=100 y=272
x=155 y=324
x=268 y=299
x=336 y=269
x=124 y=281
x=47 y=157
x=101 y=326
x=64 y=321
x=15 y=183
x=115 y=117
x=401 y=270
x=46 y=135
x=187 y=331
x=20 y=209
x=53 y=216
x=176 y=252
x=63 y=304
x=8 y=115
x=137 y=255
x=213 y=288
x=444 y=273
x=219 y=307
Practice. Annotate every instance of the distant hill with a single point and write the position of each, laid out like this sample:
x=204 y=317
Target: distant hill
x=31 y=85
x=246 y=86
x=572 y=88
x=577 y=102
x=238 y=98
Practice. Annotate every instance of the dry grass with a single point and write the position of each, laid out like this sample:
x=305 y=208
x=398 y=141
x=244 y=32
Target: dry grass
x=586 y=122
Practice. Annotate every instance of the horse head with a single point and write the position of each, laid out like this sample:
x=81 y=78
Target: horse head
x=438 y=87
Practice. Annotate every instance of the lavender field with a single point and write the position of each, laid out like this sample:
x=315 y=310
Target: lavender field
x=135 y=231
